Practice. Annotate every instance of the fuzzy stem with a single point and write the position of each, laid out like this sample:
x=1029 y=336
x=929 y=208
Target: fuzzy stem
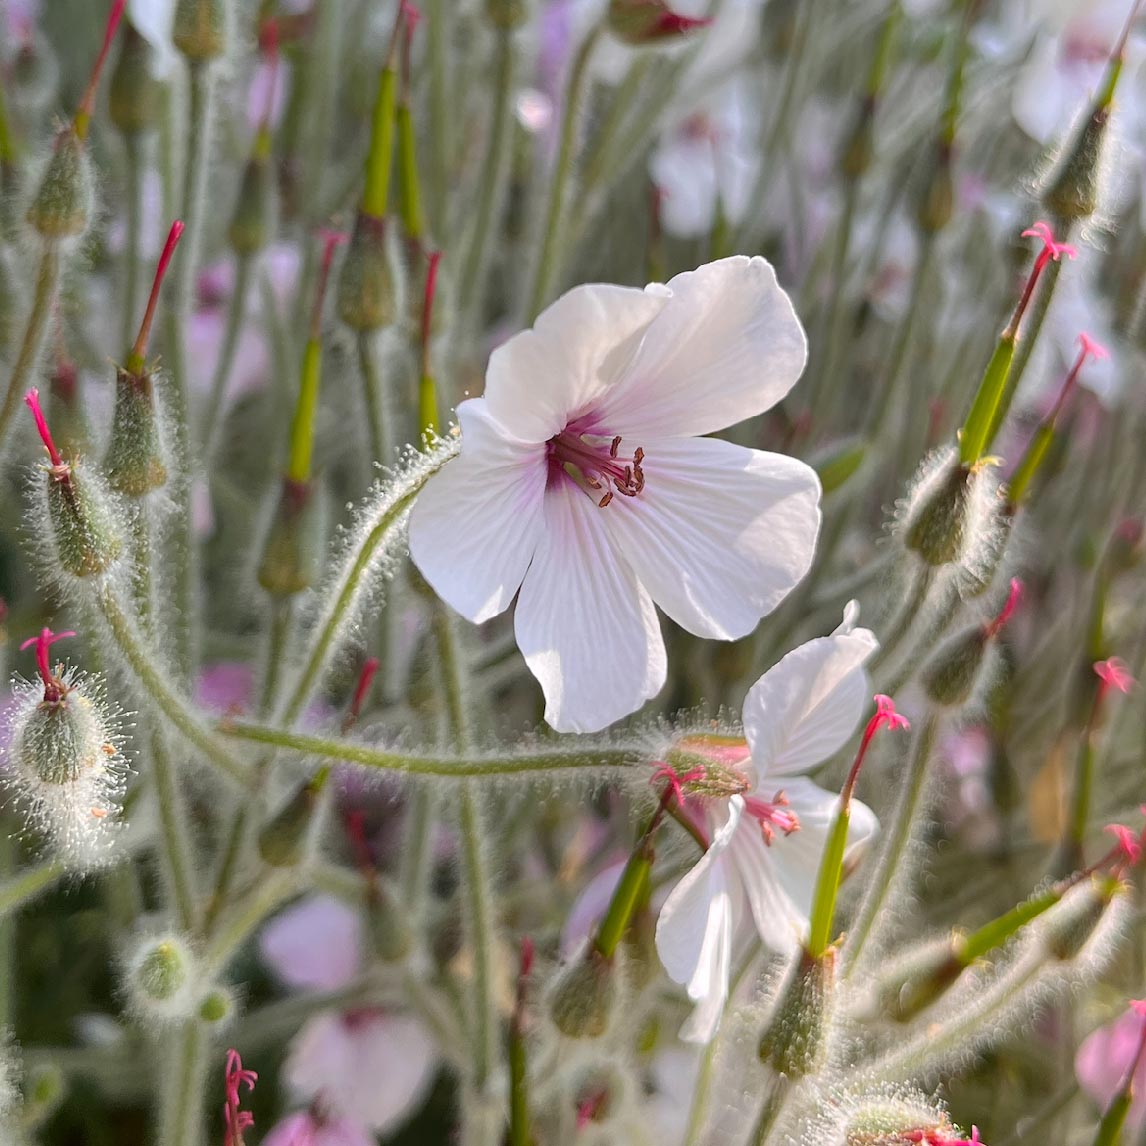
x=35 y=331
x=378 y=413
x=546 y=272
x=458 y=766
x=173 y=821
x=133 y=177
x=494 y=171
x=244 y=917
x=898 y=624
x=27 y=884
x=156 y=687
x=184 y=1076
x=891 y=855
x=236 y=312
x=348 y=587
x=774 y=1100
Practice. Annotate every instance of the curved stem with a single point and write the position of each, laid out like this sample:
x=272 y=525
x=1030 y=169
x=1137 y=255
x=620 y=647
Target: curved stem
x=457 y=766
x=177 y=862
x=157 y=688
x=35 y=331
x=549 y=260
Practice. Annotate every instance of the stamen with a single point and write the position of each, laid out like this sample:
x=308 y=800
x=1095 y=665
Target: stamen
x=1052 y=249
x=54 y=688
x=59 y=466
x=772 y=815
x=597 y=467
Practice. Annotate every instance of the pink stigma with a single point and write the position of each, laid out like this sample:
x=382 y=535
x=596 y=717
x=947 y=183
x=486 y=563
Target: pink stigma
x=135 y=360
x=53 y=688
x=365 y=679
x=1138 y=1006
x=1015 y=595
x=937 y=1137
x=885 y=711
x=237 y=1120
x=675 y=781
x=1114 y=674
x=1052 y=248
x=885 y=717
x=670 y=24
x=32 y=401
x=1129 y=846
x=772 y=815
x=597 y=468
x=412 y=15
x=1092 y=347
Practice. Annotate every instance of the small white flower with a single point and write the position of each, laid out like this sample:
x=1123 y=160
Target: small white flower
x=153 y=20
x=584 y=482
x=797 y=714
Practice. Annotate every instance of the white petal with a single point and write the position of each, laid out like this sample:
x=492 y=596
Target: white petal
x=781 y=924
x=684 y=173
x=542 y=378
x=695 y=929
x=720 y=534
x=587 y=629
x=152 y=19
x=727 y=346
x=476 y=525
x=805 y=707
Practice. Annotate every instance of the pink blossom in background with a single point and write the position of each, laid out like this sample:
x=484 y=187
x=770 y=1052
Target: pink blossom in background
x=1104 y=1059
x=308 y=1128
x=316 y=944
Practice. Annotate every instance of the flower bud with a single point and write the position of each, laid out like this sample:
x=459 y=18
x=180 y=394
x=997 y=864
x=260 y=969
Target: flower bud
x=890 y=1119
x=949 y=676
x=133 y=93
x=385 y=924
x=639 y=22
x=62 y=205
x=507 y=14
x=859 y=148
x=292 y=553
x=584 y=996
x=217 y=1006
x=937 y=202
x=283 y=838
x=920 y=978
x=161 y=977
x=253 y=222
x=44 y=1089
x=85 y=527
x=795 y=1041
x=1066 y=927
x=937 y=524
x=1073 y=189
x=134 y=463
x=200 y=29
x=367 y=297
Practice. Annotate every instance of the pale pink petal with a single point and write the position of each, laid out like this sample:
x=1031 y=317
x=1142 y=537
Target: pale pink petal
x=370 y=1067
x=695 y=930
x=804 y=708
x=542 y=378
x=588 y=631
x=477 y=523
x=726 y=347
x=1103 y=1060
x=720 y=534
x=304 y=1128
x=589 y=907
x=315 y=944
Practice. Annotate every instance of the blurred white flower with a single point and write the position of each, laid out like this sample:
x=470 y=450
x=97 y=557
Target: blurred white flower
x=153 y=20
x=584 y=482
x=767 y=839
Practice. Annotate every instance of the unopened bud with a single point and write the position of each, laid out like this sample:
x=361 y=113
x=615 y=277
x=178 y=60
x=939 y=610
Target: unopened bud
x=937 y=202
x=385 y=924
x=921 y=977
x=1066 y=927
x=292 y=553
x=937 y=524
x=283 y=838
x=648 y=21
x=85 y=527
x=253 y=222
x=133 y=95
x=859 y=149
x=217 y=1006
x=62 y=205
x=160 y=977
x=134 y=463
x=367 y=294
x=949 y=676
x=795 y=1041
x=584 y=997
x=200 y=29
x=896 y=1120
x=1073 y=189
x=507 y=14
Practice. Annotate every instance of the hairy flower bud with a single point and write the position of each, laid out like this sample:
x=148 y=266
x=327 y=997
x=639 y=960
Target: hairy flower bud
x=217 y=1006
x=584 y=996
x=292 y=552
x=937 y=202
x=950 y=675
x=919 y=978
x=367 y=295
x=200 y=29
x=647 y=21
x=134 y=464
x=133 y=93
x=62 y=205
x=1073 y=189
x=254 y=220
x=85 y=527
x=283 y=838
x=795 y=1041
x=507 y=14
x=936 y=527
x=1065 y=929
x=161 y=977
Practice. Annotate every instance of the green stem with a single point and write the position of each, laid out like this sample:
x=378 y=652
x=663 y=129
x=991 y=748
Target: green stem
x=439 y=113
x=157 y=688
x=352 y=581
x=461 y=766
x=236 y=312
x=378 y=413
x=778 y=1091
x=547 y=265
x=605 y=138
x=244 y=917
x=493 y=173
x=183 y=1077
x=173 y=820
x=35 y=332
x=133 y=177
x=888 y=865
x=898 y=624
x=27 y=884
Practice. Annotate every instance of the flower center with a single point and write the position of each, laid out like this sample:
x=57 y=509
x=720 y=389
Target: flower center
x=772 y=816
x=595 y=464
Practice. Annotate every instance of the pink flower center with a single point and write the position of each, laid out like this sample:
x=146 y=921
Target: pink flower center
x=772 y=816
x=596 y=465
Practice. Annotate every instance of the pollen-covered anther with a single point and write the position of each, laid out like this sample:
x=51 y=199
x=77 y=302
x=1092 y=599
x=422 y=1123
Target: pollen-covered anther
x=596 y=467
x=772 y=816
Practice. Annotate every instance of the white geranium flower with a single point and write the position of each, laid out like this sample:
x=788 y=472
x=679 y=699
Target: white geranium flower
x=760 y=869
x=584 y=482
x=153 y=20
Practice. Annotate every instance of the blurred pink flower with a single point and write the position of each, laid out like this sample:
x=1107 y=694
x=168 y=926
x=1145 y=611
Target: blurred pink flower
x=1105 y=1058
x=315 y=944
x=308 y=1128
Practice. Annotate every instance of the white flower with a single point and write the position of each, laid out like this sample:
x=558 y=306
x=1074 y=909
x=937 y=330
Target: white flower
x=797 y=714
x=583 y=482
x=153 y=20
